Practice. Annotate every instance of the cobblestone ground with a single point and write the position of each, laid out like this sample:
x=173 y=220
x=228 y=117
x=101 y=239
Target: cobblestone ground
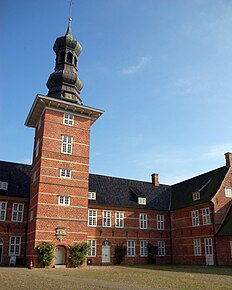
x=113 y=277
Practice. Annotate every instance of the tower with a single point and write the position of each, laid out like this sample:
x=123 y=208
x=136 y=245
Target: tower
x=58 y=208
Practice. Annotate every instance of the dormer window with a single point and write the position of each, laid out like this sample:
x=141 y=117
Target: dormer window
x=3 y=185
x=228 y=192
x=142 y=200
x=92 y=195
x=196 y=195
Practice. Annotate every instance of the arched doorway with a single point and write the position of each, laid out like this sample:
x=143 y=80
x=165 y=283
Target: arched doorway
x=60 y=255
x=106 y=252
x=1 y=250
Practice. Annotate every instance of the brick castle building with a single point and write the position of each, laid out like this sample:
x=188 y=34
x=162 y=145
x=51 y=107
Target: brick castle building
x=57 y=200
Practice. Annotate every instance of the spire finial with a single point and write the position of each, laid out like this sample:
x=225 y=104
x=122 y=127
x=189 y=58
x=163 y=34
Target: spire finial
x=69 y=19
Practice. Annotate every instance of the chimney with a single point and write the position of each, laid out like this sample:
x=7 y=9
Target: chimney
x=155 y=179
x=228 y=157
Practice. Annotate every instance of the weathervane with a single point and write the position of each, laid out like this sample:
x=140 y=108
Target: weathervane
x=70 y=9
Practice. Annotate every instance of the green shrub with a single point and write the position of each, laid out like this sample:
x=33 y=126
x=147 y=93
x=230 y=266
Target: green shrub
x=45 y=253
x=77 y=254
x=119 y=253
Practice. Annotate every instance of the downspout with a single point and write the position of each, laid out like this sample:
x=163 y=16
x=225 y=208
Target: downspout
x=26 y=231
x=214 y=235
x=170 y=233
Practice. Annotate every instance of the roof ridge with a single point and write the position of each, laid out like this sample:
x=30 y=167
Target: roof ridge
x=10 y=162
x=122 y=178
x=191 y=178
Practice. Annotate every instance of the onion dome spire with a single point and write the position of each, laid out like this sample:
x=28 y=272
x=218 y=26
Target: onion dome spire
x=64 y=83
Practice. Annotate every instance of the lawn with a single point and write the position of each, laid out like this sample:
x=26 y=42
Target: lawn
x=118 y=277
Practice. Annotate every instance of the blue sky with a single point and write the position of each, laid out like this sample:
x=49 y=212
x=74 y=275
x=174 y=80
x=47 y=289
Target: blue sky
x=161 y=70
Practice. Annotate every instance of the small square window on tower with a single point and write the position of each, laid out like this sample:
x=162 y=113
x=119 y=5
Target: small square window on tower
x=65 y=173
x=228 y=192
x=64 y=200
x=68 y=119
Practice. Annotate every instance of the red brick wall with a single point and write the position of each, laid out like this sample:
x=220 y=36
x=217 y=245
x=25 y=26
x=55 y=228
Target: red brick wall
x=9 y=228
x=48 y=215
x=130 y=231
x=183 y=234
x=224 y=251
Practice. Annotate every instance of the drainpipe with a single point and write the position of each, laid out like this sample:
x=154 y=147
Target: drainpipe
x=170 y=234
x=214 y=235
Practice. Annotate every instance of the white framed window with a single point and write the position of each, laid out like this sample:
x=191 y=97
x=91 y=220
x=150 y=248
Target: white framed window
x=31 y=215
x=206 y=216
x=68 y=119
x=231 y=249
x=3 y=185
x=142 y=200
x=143 y=248
x=161 y=248
x=15 y=246
x=65 y=173
x=143 y=221
x=228 y=192
x=92 y=195
x=160 y=222
x=92 y=248
x=119 y=219
x=67 y=142
x=131 y=248
x=195 y=218
x=37 y=148
x=197 y=247
x=92 y=217
x=17 y=212
x=3 y=206
x=64 y=200
x=196 y=195
x=106 y=220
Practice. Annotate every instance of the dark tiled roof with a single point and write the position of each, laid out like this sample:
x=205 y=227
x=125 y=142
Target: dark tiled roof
x=207 y=184
x=226 y=227
x=18 y=178
x=120 y=192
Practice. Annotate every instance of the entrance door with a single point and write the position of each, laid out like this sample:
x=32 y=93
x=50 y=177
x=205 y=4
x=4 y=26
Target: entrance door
x=209 y=252
x=105 y=254
x=60 y=256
